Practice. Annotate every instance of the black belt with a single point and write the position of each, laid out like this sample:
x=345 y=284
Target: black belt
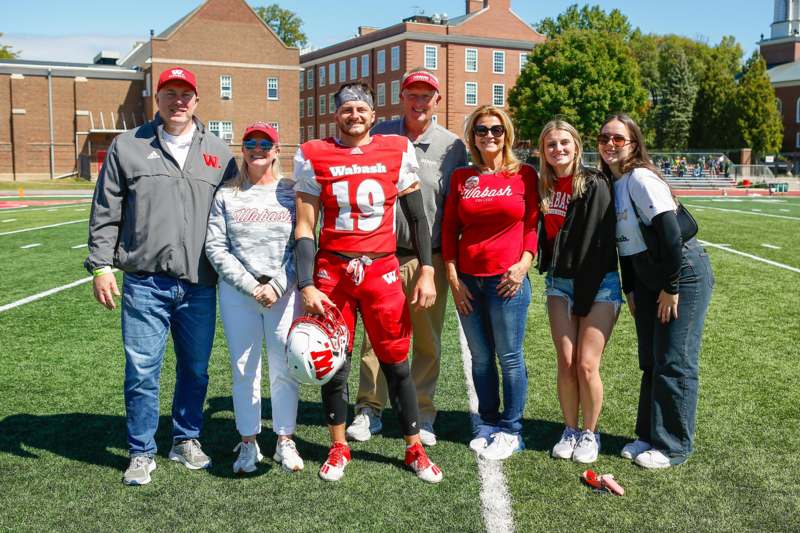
x=405 y=251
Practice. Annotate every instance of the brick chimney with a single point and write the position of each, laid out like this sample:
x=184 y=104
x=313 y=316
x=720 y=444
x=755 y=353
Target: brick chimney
x=364 y=30
x=475 y=5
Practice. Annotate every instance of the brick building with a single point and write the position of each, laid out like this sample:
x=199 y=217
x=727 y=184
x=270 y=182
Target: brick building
x=53 y=114
x=476 y=56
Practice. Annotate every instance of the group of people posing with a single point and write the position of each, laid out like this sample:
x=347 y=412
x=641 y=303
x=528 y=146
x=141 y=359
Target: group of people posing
x=381 y=221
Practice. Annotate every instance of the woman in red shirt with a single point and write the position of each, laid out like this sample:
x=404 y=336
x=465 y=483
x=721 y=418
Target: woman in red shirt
x=489 y=240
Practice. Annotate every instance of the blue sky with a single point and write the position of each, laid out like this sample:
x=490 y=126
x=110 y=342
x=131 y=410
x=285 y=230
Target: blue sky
x=62 y=30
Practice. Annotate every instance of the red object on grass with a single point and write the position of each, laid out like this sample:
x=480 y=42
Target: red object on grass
x=603 y=482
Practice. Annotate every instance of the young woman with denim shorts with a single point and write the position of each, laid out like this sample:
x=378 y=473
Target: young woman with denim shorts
x=488 y=244
x=668 y=291
x=578 y=253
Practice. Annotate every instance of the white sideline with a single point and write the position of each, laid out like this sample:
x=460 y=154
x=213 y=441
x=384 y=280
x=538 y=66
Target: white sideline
x=751 y=256
x=45 y=294
x=44 y=227
x=495 y=501
x=29 y=209
x=787 y=217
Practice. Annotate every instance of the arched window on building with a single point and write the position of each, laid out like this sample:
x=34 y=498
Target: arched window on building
x=797 y=111
x=779 y=104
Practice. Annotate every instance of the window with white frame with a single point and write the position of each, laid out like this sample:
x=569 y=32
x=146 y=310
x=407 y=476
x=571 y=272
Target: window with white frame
x=332 y=74
x=342 y=71
x=310 y=78
x=331 y=103
x=331 y=129
x=321 y=76
x=302 y=131
x=471 y=60
x=365 y=66
x=797 y=111
x=214 y=127
x=498 y=94
x=523 y=60
x=499 y=62
x=225 y=87
x=310 y=133
x=779 y=103
x=322 y=132
x=471 y=93
x=381 y=119
x=380 y=62
x=353 y=68
x=797 y=140
x=381 y=95
x=310 y=106
x=302 y=108
x=323 y=101
x=302 y=81
x=272 y=88
x=395 y=117
x=396 y=92
x=222 y=129
x=431 y=57
x=395 y=58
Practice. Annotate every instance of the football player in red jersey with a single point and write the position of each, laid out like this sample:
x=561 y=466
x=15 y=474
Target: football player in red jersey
x=357 y=179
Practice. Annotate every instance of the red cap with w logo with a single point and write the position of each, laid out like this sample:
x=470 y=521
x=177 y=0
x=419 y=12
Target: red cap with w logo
x=177 y=74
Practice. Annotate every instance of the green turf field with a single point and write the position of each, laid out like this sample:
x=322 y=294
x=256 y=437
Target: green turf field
x=62 y=429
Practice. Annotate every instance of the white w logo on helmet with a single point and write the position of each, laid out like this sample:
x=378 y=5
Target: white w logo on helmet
x=178 y=72
x=316 y=347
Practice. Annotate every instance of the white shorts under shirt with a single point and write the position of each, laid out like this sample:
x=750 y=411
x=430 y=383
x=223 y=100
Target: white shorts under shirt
x=652 y=197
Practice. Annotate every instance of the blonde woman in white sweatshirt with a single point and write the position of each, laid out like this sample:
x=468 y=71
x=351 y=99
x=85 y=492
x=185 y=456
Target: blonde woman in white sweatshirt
x=250 y=243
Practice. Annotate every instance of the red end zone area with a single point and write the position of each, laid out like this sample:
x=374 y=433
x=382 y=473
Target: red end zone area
x=10 y=204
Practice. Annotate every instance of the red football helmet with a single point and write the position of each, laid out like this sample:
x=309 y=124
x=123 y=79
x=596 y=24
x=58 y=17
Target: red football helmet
x=316 y=347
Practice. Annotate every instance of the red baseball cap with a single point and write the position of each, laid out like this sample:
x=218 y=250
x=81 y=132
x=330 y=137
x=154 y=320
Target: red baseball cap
x=421 y=76
x=261 y=127
x=179 y=74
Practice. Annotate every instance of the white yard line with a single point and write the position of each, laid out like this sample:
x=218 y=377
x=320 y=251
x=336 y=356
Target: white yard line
x=79 y=246
x=495 y=500
x=786 y=210
x=44 y=227
x=10 y=220
x=770 y=246
x=744 y=212
x=45 y=294
x=32 y=245
x=29 y=209
x=751 y=256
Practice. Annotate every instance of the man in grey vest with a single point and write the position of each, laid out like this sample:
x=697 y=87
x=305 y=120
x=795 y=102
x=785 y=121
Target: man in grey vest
x=438 y=152
x=149 y=218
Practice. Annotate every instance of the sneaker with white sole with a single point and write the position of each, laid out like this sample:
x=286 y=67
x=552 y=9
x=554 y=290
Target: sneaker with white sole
x=365 y=425
x=138 y=471
x=338 y=457
x=482 y=438
x=286 y=454
x=587 y=448
x=503 y=446
x=652 y=459
x=249 y=457
x=190 y=454
x=417 y=460
x=633 y=449
x=426 y=434
x=566 y=445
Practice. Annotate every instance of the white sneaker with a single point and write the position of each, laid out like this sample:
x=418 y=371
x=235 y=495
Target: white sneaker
x=286 y=454
x=587 y=448
x=249 y=457
x=426 y=434
x=633 y=449
x=338 y=457
x=502 y=447
x=566 y=445
x=418 y=461
x=652 y=459
x=482 y=438
x=365 y=424
x=139 y=469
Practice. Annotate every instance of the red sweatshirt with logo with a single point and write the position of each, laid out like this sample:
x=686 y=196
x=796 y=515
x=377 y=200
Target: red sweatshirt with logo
x=490 y=219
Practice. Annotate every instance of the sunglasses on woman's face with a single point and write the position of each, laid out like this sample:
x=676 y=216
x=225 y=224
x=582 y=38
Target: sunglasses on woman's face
x=482 y=131
x=252 y=144
x=617 y=140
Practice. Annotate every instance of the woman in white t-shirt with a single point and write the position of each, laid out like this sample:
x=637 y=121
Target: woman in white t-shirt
x=250 y=243
x=668 y=291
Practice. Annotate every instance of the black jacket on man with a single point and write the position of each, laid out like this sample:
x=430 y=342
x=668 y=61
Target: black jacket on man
x=585 y=249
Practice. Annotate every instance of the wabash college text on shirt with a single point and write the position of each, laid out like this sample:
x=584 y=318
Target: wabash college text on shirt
x=490 y=219
x=357 y=188
x=557 y=210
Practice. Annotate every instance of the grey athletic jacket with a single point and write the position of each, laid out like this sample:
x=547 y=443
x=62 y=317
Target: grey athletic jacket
x=148 y=215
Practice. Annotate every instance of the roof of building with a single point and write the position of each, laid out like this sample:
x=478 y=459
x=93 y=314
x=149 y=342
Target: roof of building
x=61 y=68
x=786 y=74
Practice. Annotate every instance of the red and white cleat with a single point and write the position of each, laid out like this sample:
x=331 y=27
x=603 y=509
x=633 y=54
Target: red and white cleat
x=418 y=461
x=338 y=457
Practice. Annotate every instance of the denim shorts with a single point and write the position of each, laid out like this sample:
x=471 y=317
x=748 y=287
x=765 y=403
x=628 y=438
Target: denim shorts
x=610 y=289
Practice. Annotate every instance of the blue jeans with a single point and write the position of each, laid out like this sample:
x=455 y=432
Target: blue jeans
x=496 y=328
x=152 y=307
x=669 y=358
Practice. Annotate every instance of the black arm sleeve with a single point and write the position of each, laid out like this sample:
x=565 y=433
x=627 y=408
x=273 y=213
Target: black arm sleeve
x=414 y=210
x=670 y=244
x=628 y=273
x=304 y=251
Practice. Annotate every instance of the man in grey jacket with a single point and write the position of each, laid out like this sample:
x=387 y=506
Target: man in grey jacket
x=438 y=152
x=149 y=217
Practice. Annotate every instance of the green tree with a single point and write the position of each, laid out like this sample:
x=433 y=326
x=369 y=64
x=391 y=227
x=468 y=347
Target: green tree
x=580 y=75
x=714 y=121
x=6 y=52
x=758 y=118
x=285 y=23
x=675 y=103
x=586 y=18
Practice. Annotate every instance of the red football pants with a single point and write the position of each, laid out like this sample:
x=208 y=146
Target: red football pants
x=379 y=296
